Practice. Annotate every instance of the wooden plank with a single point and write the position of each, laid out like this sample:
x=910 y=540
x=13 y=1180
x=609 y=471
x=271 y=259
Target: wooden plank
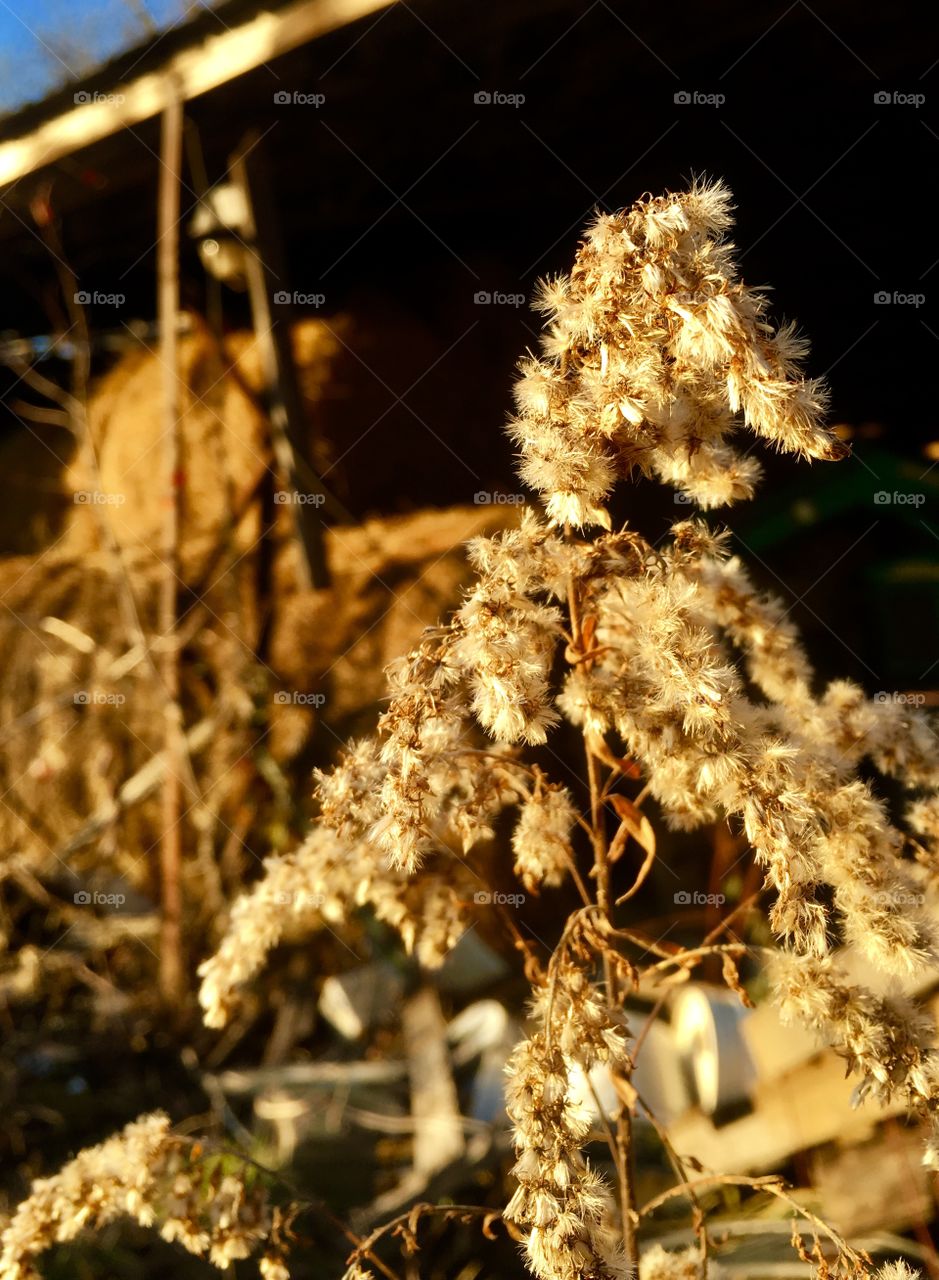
x=777 y=1048
x=206 y=65
x=879 y=1185
x=807 y=1107
x=266 y=275
x=438 y=1126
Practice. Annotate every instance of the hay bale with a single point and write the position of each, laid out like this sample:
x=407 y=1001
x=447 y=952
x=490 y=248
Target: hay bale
x=262 y=661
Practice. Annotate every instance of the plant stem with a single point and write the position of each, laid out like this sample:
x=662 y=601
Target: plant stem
x=601 y=872
x=624 y=1121
x=172 y=969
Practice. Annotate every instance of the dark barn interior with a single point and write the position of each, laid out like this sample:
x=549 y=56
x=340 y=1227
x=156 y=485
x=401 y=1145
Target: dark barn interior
x=401 y=197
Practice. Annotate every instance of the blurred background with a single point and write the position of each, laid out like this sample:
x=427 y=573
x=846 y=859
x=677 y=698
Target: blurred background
x=367 y=194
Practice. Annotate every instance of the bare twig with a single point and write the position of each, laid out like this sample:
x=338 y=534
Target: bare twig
x=172 y=972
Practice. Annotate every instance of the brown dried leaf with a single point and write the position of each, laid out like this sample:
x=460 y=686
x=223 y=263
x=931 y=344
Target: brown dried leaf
x=635 y=822
x=488 y=1223
x=624 y=765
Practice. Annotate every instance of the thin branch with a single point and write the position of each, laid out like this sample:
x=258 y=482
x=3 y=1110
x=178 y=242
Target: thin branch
x=172 y=970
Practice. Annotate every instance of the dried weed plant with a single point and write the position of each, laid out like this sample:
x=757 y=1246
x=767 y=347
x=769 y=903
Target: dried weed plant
x=687 y=685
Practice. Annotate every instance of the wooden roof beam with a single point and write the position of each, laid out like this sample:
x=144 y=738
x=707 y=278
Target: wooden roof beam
x=211 y=62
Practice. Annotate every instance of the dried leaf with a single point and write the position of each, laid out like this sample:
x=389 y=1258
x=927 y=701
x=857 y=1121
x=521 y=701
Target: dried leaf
x=635 y=822
x=488 y=1223
x=622 y=764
